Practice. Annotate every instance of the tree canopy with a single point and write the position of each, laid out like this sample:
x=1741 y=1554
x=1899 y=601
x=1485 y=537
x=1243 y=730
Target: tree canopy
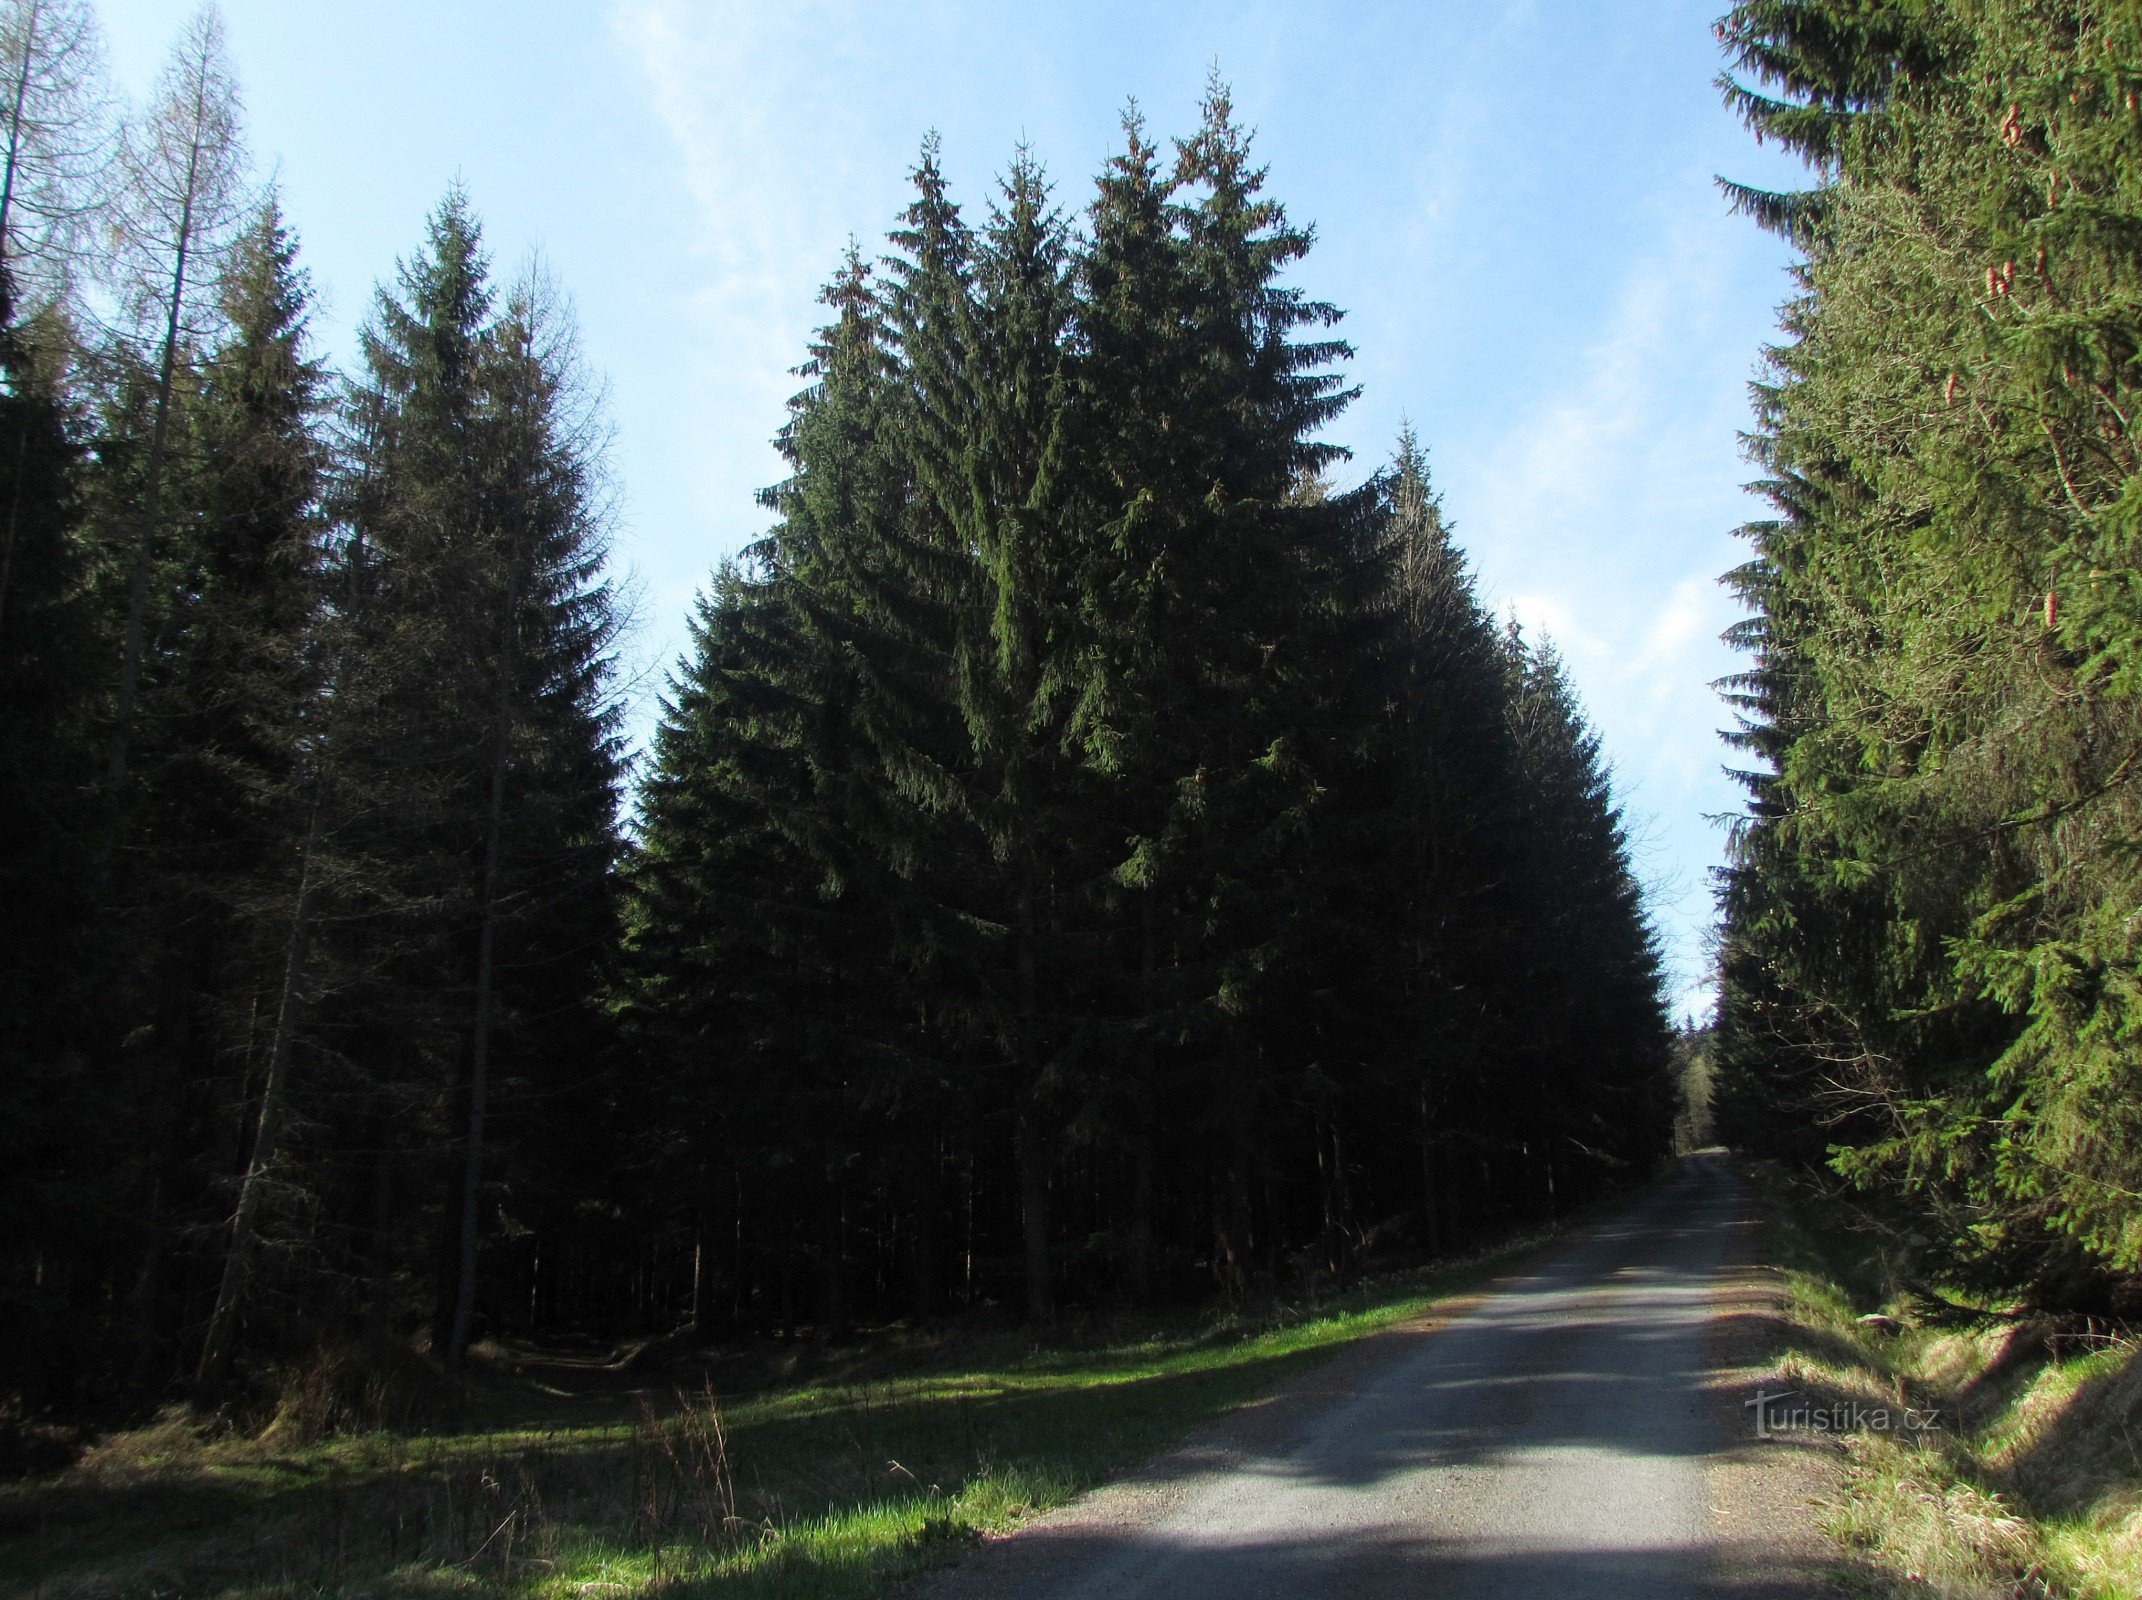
x=1089 y=853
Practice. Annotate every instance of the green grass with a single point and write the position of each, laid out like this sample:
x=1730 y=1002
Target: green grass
x=2031 y=1486
x=893 y=1460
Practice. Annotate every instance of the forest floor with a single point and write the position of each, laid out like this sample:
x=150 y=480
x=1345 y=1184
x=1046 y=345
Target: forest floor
x=2001 y=1452
x=810 y=1471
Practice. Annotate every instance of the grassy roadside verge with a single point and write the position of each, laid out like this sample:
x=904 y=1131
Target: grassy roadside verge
x=828 y=1488
x=2029 y=1482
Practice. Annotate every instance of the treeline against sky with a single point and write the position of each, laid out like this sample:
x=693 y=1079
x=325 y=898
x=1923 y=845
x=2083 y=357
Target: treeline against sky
x=1085 y=855
x=1932 y=944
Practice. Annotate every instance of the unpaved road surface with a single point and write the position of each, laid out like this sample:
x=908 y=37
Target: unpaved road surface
x=1565 y=1437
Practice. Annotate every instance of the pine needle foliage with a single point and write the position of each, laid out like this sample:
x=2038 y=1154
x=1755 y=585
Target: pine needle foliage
x=1086 y=855
x=1930 y=949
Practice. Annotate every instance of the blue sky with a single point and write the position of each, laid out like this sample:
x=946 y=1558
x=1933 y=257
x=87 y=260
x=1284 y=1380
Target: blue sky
x=1513 y=202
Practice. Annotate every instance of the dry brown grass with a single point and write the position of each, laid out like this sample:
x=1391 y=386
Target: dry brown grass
x=214 y=1513
x=2032 y=1485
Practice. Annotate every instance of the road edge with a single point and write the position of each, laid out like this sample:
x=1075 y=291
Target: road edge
x=994 y=1567
x=1766 y=1496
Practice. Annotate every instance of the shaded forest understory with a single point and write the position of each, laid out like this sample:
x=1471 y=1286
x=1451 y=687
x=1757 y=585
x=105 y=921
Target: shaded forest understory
x=1090 y=855
x=823 y=1471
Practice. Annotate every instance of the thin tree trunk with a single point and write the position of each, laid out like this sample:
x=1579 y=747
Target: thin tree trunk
x=1032 y=1146
x=457 y=1339
x=1141 y=1222
x=1431 y=1210
x=149 y=1280
x=1232 y=1213
x=7 y=287
x=7 y=183
x=217 y=1348
x=966 y=1211
x=371 y=1252
x=704 y=1276
x=137 y=595
x=14 y=519
x=1338 y=1197
x=925 y=1293
x=1141 y=1228
x=1034 y=1217
x=830 y=1320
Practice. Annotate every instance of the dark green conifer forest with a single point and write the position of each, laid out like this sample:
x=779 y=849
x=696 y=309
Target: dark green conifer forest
x=1096 y=850
x=1930 y=932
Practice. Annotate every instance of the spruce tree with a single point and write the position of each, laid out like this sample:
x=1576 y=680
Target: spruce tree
x=415 y=512
x=1075 y=797
x=556 y=756
x=1137 y=493
x=1257 y=395
x=253 y=729
x=1929 y=888
x=56 y=1128
x=1453 y=791
x=1015 y=658
x=479 y=502
x=1592 y=1044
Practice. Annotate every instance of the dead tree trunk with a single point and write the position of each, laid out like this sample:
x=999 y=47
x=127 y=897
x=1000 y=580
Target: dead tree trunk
x=221 y=1342
x=137 y=588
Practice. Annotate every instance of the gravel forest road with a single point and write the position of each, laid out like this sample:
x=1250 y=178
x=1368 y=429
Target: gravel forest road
x=1573 y=1433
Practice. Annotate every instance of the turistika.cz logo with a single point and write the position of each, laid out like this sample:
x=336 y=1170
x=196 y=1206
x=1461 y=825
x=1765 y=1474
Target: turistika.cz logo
x=1777 y=1414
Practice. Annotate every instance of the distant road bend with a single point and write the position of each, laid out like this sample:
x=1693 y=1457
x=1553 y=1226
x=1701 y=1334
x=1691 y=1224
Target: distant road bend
x=1555 y=1442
